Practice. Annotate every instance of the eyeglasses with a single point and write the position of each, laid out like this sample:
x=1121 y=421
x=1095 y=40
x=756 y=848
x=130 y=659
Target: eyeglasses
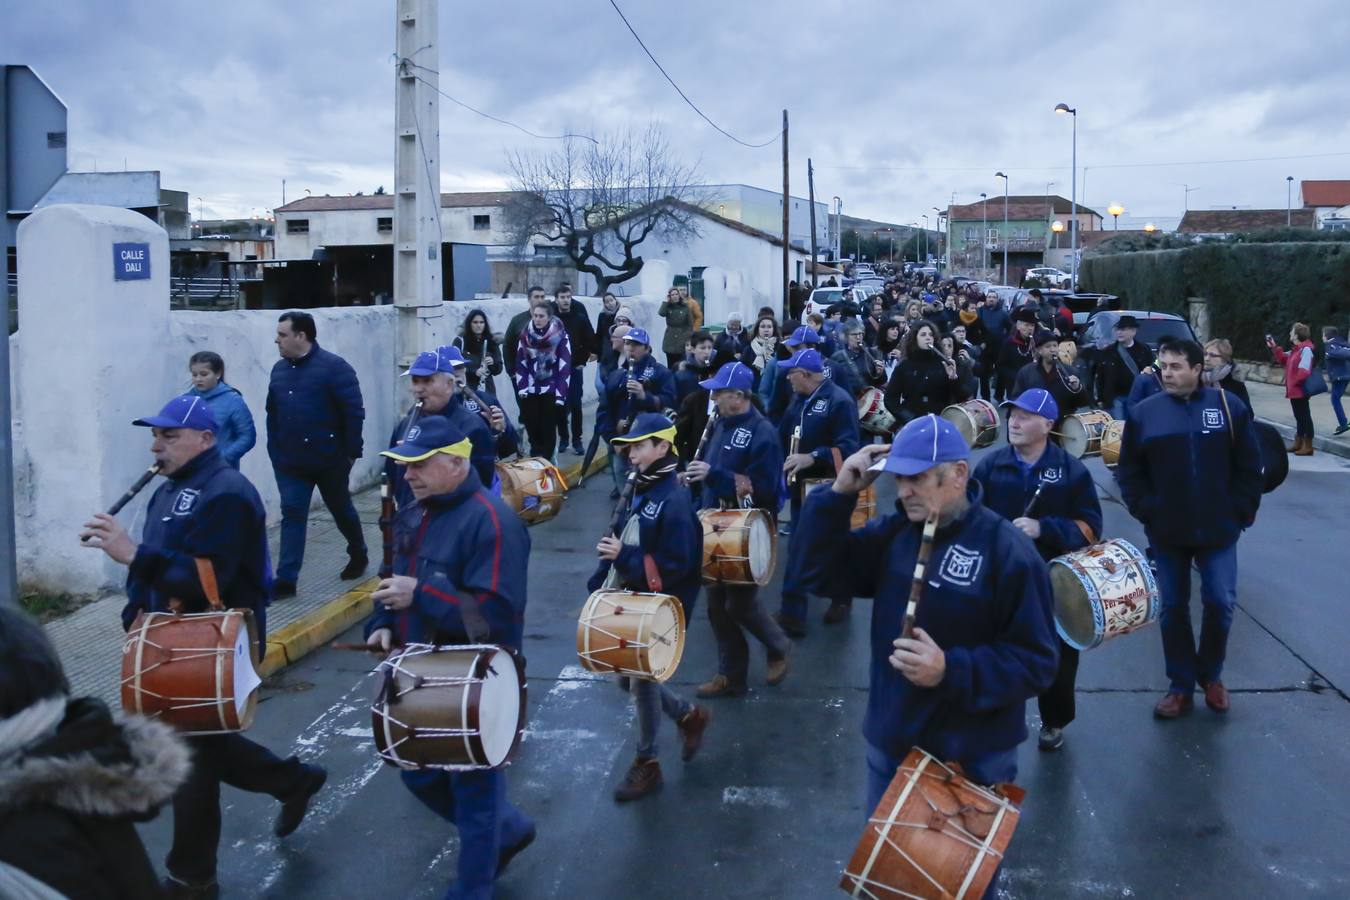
x=1209 y=354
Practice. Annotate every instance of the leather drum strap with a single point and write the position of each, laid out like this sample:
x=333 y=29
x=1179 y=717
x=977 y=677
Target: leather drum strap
x=838 y=460
x=206 y=574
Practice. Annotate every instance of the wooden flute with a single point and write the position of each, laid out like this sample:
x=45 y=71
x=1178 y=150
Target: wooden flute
x=132 y=491
x=920 y=573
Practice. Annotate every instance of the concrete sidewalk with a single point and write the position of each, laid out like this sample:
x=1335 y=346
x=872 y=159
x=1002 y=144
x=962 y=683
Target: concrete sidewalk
x=1270 y=404
x=89 y=641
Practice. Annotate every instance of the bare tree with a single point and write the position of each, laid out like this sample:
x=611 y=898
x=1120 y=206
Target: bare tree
x=599 y=200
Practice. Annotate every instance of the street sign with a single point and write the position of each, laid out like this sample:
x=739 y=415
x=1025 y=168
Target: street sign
x=131 y=261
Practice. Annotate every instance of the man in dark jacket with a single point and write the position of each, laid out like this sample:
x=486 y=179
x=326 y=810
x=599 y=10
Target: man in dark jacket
x=1015 y=352
x=581 y=334
x=469 y=555
x=996 y=325
x=1190 y=472
x=204 y=545
x=665 y=558
x=732 y=343
x=1049 y=374
x=691 y=398
x=314 y=419
x=819 y=427
x=640 y=385
x=1050 y=497
x=983 y=642
x=1117 y=366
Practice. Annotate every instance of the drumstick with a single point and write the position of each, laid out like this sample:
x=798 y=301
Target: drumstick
x=920 y=566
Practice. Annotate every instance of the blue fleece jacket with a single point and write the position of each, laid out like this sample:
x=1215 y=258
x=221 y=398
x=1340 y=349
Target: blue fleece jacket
x=1337 y=359
x=668 y=558
x=235 y=434
x=621 y=406
x=828 y=418
x=314 y=412
x=205 y=509
x=1190 y=468
x=1067 y=496
x=744 y=444
x=470 y=555
x=986 y=603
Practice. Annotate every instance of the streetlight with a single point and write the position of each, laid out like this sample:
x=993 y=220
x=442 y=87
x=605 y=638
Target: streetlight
x=1150 y=228
x=1288 y=201
x=1066 y=109
x=984 y=233
x=1005 y=224
x=925 y=238
x=1057 y=226
x=940 y=216
x=838 y=225
x=1115 y=209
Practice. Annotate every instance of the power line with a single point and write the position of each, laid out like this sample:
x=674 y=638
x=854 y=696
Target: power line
x=455 y=100
x=682 y=94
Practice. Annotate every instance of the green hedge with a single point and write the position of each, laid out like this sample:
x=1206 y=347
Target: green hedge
x=1253 y=288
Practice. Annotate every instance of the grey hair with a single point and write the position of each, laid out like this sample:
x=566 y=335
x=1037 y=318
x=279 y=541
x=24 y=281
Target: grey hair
x=851 y=326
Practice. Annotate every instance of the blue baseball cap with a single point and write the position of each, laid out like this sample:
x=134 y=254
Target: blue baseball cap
x=431 y=434
x=638 y=336
x=733 y=376
x=923 y=443
x=803 y=335
x=429 y=362
x=649 y=425
x=1038 y=401
x=186 y=411
x=808 y=359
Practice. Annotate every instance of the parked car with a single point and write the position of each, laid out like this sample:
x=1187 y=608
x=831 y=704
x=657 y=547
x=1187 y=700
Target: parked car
x=1011 y=297
x=1049 y=274
x=1099 y=327
x=822 y=299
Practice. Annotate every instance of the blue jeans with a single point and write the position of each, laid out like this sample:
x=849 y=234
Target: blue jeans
x=1187 y=665
x=732 y=611
x=476 y=803
x=572 y=408
x=618 y=468
x=296 y=488
x=1337 y=392
x=651 y=700
x=1118 y=407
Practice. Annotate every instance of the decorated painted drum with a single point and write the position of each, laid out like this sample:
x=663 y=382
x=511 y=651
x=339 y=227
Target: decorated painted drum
x=1101 y=592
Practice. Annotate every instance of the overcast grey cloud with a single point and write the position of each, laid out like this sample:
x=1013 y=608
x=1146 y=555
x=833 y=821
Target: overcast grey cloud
x=900 y=105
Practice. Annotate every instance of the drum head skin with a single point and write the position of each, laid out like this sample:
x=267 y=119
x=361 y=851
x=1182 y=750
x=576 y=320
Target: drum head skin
x=499 y=708
x=1073 y=609
x=1073 y=437
x=1102 y=592
x=761 y=549
x=663 y=627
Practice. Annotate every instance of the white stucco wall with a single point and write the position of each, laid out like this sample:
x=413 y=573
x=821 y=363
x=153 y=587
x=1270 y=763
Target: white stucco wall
x=358 y=227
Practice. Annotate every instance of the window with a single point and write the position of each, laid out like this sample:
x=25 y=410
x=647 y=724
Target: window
x=482 y=223
x=297 y=226
x=991 y=234
x=56 y=140
x=972 y=233
x=1022 y=232
x=384 y=224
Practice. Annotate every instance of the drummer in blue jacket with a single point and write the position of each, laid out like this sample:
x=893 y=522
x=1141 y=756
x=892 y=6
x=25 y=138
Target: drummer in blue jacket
x=984 y=642
x=667 y=559
x=1050 y=497
x=741 y=467
x=828 y=420
x=470 y=554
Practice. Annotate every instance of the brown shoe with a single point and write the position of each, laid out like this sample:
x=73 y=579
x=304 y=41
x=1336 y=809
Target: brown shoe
x=837 y=612
x=1305 y=447
x=692 y=726
x=1173 y=706
x=719 y=686
x=643 y=778
x=1216 y=696
x=776 y=672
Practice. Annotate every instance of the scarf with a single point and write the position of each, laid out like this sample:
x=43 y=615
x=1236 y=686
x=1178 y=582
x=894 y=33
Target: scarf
x=31 y=724
x=656 y=471
x=764 y=349
x=1213 y=377
x=543 y=342
x=968 y=317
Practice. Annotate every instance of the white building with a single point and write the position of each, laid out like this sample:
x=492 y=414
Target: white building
x=763 y=210
x=304 y=226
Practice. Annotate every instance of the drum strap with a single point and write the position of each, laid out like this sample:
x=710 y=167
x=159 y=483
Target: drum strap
x=1223 y=395
x=206 y=574
x=838 y=460
x=1087 y=531
x=652 y=572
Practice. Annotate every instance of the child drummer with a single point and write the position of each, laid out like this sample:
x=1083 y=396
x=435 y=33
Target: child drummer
x=668 y=559
x=740 y=469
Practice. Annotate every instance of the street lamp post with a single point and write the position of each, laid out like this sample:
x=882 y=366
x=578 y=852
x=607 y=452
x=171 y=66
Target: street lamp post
x=838 y=226
x=1005 y=224
x=1057 y=226
x=940 y=232
x=925 y=238
x=1062 y=109
x=1289 y=201
x=1115 y=209
x=984 y=234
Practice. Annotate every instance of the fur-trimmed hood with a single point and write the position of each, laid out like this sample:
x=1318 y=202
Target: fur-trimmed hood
x=95 y=765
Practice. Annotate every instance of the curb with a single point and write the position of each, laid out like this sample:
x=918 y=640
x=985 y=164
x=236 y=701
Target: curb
x=1325 y=444
x=291 y=643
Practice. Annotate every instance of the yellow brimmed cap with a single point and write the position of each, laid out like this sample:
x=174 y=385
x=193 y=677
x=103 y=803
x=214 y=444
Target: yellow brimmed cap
x=431 y=435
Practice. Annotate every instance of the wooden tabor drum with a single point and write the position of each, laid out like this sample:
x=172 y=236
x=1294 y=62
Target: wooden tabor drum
x=630 y=633
x=739 y=546
x=1102 y=592
x=533 y=487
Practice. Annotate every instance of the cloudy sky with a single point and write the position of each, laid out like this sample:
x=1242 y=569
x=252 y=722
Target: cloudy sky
x=900 y=105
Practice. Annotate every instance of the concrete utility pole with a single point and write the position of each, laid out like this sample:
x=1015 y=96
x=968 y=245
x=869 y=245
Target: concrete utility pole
x=786 y=200
x=9 y=577
x=417 y=181
x=811 y=197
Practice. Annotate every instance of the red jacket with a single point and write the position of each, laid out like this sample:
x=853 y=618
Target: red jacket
x=1295 y=372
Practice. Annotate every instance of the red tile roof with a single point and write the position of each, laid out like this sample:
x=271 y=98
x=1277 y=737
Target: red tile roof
x=386 y=201
x=1234 y=221
x=1021 y=208
x=1325 y=193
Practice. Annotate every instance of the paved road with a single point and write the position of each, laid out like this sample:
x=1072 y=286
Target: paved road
x=1249 y=805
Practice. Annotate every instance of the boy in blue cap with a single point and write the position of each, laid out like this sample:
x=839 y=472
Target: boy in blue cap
x=205 y=540
x=1050 y=497
x=470 y=554
x=740 y=469
x=640 y=385
x=667 y=559
x=825 y=420
x=984 y=637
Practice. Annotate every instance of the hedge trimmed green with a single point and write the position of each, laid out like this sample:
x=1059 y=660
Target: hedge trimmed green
x=1253 y=289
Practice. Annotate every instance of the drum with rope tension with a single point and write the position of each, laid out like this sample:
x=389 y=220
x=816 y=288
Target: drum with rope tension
x=739 y=546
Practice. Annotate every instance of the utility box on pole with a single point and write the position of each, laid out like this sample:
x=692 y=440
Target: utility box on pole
x=417 y=181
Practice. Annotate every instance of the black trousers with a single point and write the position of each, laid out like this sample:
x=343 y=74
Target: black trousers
x=1056 y=704
x=238 y=762
x=539 y=414
x=1303 y=423
x=571 y=410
